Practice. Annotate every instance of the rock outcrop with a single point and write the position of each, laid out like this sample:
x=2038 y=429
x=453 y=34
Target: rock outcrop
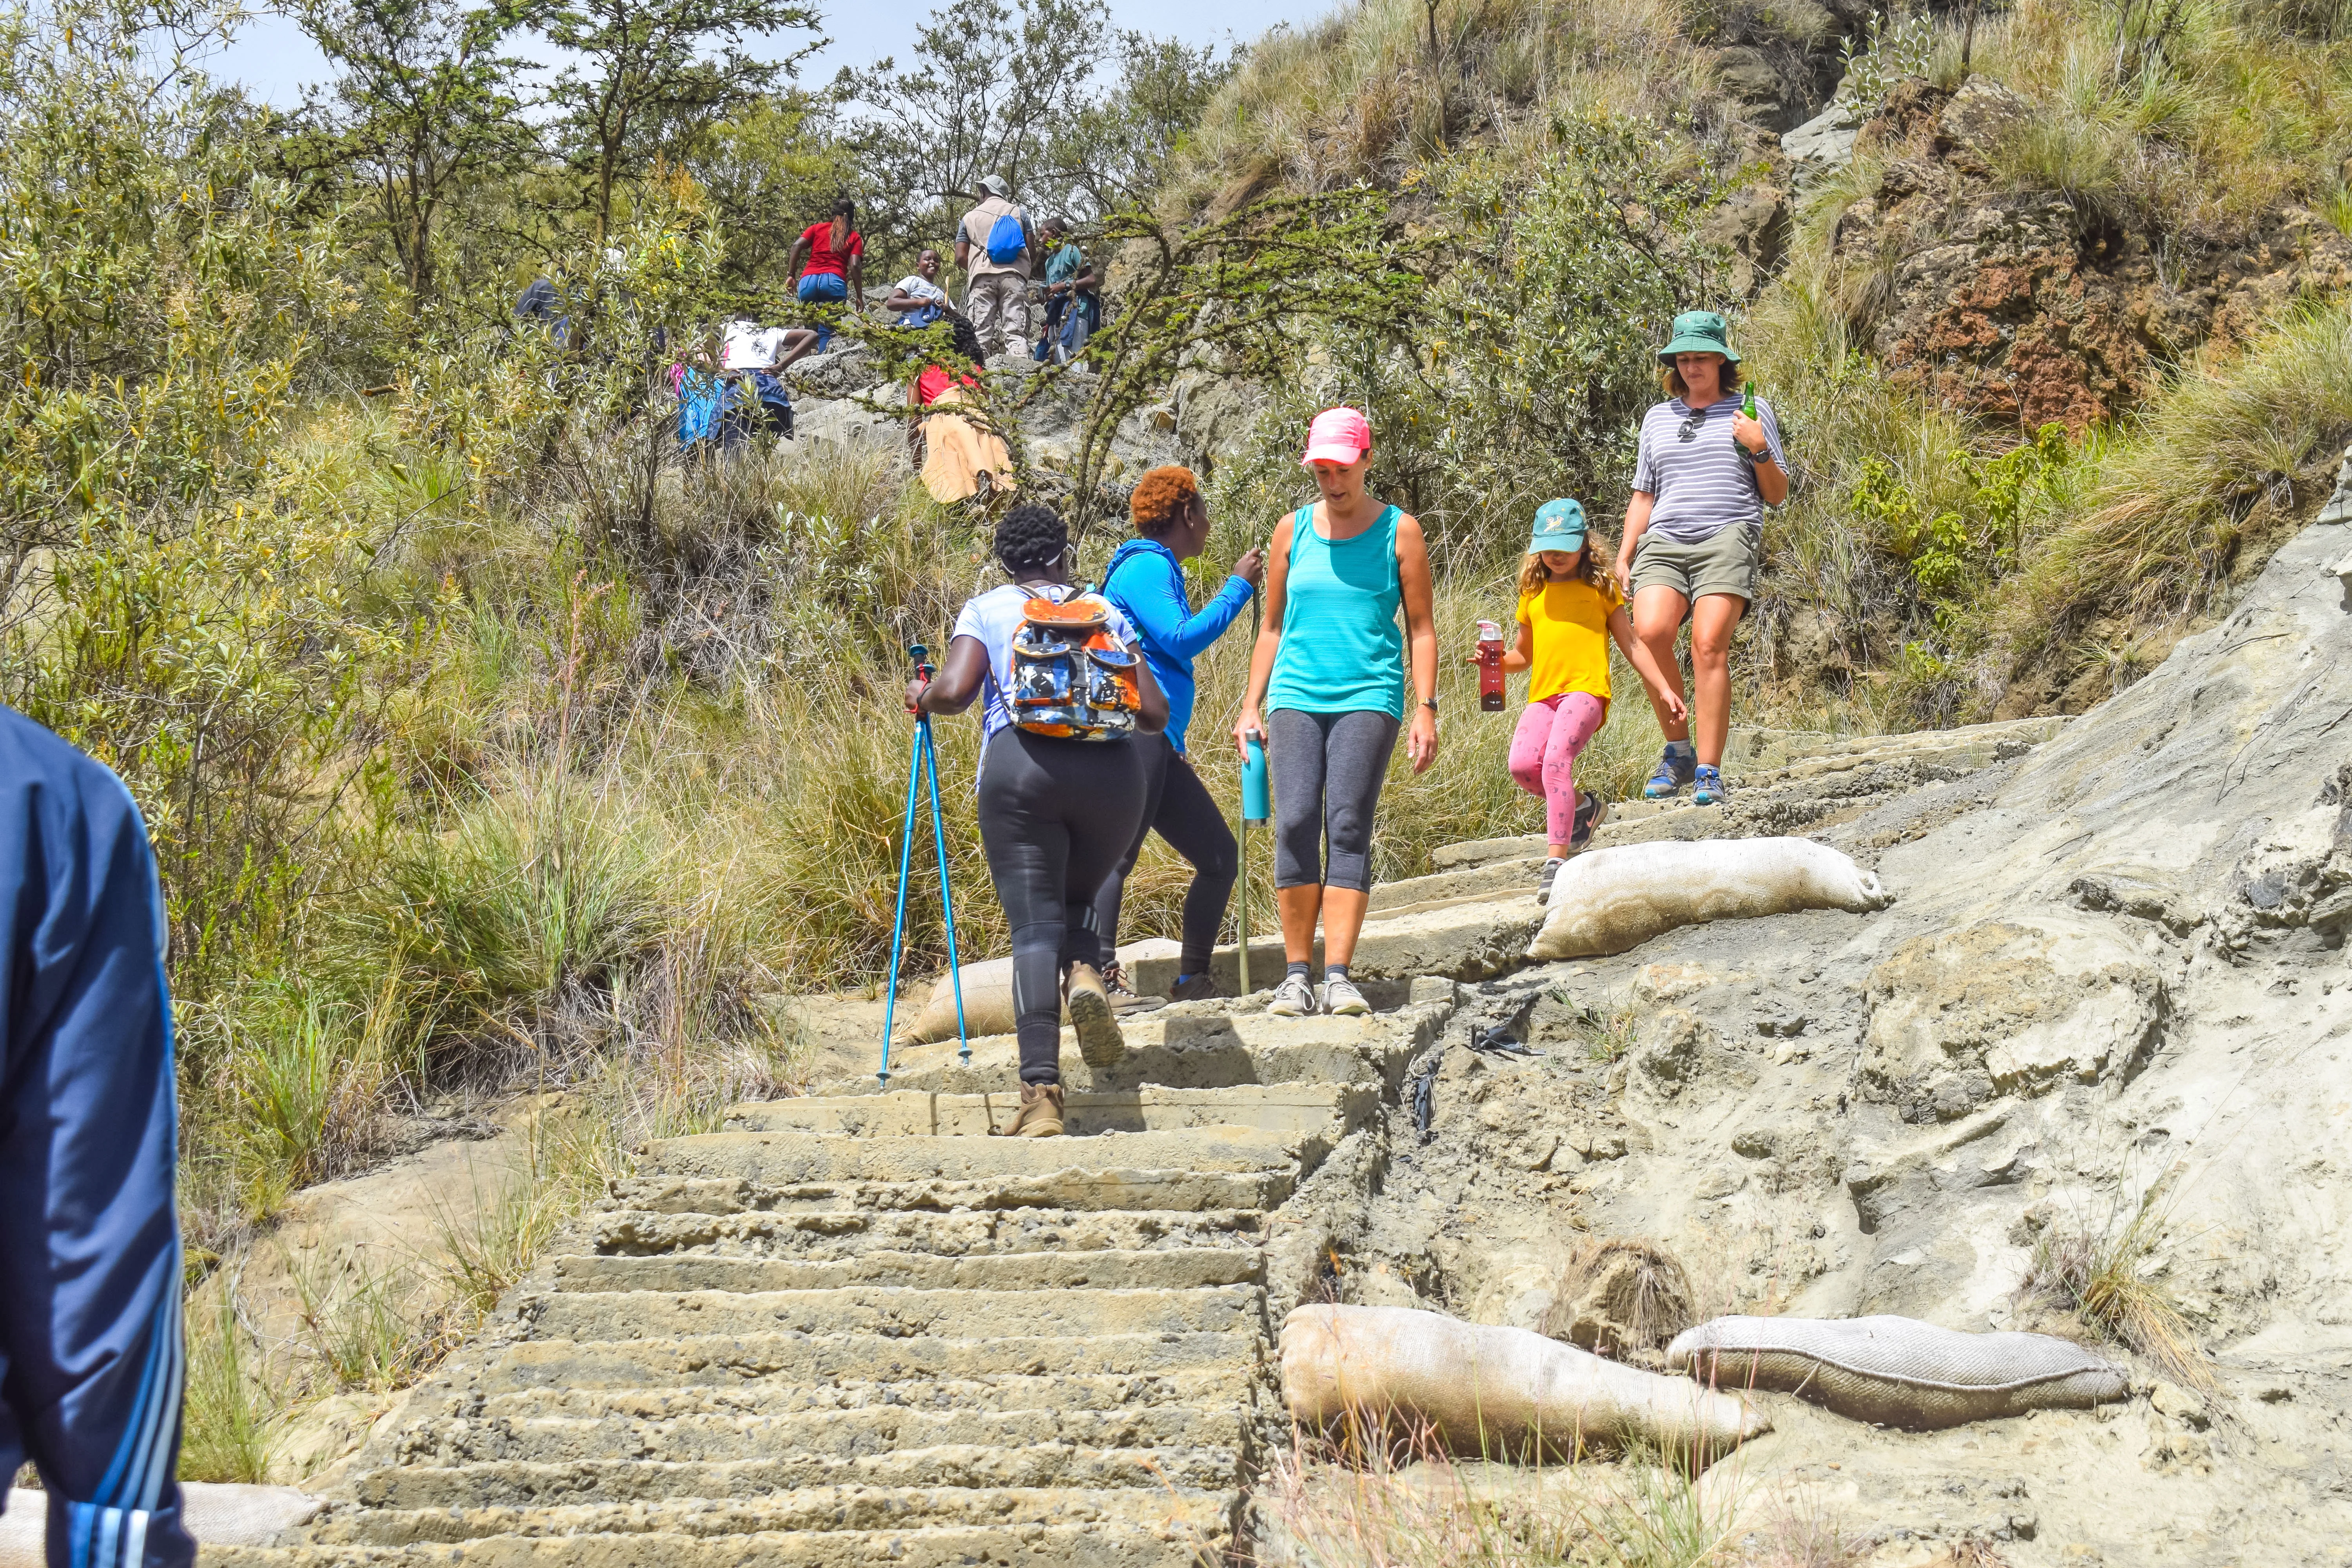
x=2029 y=306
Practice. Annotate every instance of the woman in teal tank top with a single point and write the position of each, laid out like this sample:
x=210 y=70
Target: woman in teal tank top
x=1327 y=689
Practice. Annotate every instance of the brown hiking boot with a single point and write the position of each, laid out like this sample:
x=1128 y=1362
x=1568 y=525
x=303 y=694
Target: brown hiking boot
x=1099 y=1041
x=1123 y=997
x=1040 y=1115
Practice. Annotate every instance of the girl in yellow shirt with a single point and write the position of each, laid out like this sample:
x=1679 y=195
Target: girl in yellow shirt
x=1569 y=611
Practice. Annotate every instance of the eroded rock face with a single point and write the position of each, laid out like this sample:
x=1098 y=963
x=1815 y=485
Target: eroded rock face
x=2009 y=1006
x=2033 y=307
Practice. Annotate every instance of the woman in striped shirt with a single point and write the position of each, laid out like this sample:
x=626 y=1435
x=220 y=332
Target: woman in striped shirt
x=1705 y=473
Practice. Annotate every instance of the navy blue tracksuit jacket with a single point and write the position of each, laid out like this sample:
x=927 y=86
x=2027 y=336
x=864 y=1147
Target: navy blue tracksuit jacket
x=90 y=1350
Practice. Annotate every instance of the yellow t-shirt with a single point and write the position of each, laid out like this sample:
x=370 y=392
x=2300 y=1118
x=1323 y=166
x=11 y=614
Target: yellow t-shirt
x=1569 y=646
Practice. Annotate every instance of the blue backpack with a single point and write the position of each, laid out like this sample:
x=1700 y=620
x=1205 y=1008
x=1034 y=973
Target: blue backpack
x=1005 y=240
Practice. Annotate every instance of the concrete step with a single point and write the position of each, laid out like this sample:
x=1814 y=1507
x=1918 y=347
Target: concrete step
x=829 y=1234
x=1112 y=1545
x=1288 y=1108
x=1192 y=1045
x=1073 y=1190
x=703 y=1361
x=953 y=1314
x=517 y=1484
x=685 y=1437
x=1233 y=1386
x=1209 y=1515
x=1108 y=1270
x=785 y=1158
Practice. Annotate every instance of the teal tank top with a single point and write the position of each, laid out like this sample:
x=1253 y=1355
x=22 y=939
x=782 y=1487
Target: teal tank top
x=1342 y=648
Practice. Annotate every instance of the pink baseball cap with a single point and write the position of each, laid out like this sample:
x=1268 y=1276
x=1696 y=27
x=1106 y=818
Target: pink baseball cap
x=1339 y=435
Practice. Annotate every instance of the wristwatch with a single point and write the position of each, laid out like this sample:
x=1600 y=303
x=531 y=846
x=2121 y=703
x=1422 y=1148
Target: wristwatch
x=1758 y=460
x=1430 y=703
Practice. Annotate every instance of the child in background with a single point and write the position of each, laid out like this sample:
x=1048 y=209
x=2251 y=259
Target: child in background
x=1570 y=608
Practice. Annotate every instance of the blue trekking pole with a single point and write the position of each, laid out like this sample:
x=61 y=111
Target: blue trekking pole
x=921 y=761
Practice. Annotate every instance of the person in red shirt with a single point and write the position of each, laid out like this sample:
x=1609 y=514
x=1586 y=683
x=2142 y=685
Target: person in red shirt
x=836 y=264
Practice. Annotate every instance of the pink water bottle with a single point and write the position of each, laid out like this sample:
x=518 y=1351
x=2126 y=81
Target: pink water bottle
x=1490 y=667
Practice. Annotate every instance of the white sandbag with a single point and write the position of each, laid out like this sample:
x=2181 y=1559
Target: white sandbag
x=1897 y=1372
x=216 y=1515
x=987 y=1005
x=1500 y=1393
x=1606 y=900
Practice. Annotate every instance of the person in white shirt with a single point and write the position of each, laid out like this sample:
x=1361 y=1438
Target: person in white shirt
x=917 y=299
x=996 y=296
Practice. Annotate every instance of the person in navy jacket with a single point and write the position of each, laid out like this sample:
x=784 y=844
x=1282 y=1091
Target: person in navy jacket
x=1146 y=581
x=92 y=1357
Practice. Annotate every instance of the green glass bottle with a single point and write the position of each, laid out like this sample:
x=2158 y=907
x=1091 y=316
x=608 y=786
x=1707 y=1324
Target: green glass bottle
x=1748 y=404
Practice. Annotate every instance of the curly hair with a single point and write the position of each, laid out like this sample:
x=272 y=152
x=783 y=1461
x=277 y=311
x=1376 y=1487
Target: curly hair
x=1160 y=498
x=1534 y=574
x=1029 y=538
x=965 y=335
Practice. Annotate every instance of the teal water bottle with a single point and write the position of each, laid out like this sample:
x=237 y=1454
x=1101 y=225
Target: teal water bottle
x=1257 y=806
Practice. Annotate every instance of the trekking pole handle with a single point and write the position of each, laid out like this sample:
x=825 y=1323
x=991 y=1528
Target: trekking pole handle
x=924 y=670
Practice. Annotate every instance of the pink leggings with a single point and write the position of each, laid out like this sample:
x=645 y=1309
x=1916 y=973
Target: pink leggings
x=1551 y=735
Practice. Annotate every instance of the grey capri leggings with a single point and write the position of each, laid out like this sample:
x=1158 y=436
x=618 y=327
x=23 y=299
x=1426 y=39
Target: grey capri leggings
x=1328 y=769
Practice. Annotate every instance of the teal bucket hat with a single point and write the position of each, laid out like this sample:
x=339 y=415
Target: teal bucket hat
x=1560 y=525
x=1699 y=332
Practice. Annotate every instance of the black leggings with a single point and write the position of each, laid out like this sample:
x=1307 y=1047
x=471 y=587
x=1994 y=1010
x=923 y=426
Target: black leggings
x=1177 y=806
x=1054 y=817
x=1328 y=769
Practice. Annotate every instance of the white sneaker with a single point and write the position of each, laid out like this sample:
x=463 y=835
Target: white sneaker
x=1294 y=999
x=1342 y=1000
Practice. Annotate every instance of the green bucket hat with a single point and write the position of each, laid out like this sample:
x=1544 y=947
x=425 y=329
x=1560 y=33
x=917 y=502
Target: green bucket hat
x=1560 y=525
x=1699 y=332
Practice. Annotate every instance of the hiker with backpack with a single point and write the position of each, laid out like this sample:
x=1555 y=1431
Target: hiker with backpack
x=1061 y=784
x=992 y=248
x=1705 y=469
x=1146 y=580
x=1326 y=692
x=1570 y=610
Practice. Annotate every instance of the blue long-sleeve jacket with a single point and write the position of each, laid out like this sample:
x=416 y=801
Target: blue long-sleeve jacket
x=91 y=1352
x=1145 y=581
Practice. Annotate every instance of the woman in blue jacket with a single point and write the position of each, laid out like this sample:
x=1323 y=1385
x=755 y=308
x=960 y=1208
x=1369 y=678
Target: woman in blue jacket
x=1147 y=583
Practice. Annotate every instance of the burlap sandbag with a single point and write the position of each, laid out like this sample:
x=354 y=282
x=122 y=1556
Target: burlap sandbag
x=1896 y=1372
x=987 y=1005
x=1501 y=1393
x=214 y=1515
x=1606 y=900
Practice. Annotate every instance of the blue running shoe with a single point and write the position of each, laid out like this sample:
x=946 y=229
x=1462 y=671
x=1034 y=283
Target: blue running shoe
x=1708 y=787
x=1674 y=767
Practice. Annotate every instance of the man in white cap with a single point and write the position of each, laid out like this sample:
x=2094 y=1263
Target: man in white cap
x=994 y=245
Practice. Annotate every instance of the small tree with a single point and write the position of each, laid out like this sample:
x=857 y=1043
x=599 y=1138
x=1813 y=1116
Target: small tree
x=647 y=83
x=424 y=106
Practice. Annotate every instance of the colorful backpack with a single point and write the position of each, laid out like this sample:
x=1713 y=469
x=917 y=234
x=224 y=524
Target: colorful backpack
x=1072 y=676
x=1006 y=240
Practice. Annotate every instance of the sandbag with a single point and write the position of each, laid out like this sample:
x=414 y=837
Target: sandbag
x=1494 y=1392
x=1606 y=900
x=987 y=1005
x=215 y=1515
x=1897 y=1372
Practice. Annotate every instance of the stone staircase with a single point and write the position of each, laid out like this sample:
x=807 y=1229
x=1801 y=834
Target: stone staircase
x=854 y=1328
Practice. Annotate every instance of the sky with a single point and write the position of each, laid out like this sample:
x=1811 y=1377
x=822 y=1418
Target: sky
x=275 y=61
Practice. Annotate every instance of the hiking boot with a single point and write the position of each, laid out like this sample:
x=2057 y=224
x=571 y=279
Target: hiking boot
x=1294 y=999
x=1099 y=1041
x=1675 y=766
x=1591 y=811
x=1192 y=988
x=1551 y=875
x=1708 y=787
x=1342 y=1000
x=1123 y=997
x=1040 y=1115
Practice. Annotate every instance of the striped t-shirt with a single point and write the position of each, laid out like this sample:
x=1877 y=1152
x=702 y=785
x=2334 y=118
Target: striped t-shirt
x=1691 y=464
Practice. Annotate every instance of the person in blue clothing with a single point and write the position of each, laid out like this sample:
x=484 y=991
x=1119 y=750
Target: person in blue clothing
x=91 y=1355
x=1146 y=581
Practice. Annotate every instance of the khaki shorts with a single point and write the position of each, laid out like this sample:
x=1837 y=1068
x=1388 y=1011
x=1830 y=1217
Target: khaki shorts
x=1724 y=562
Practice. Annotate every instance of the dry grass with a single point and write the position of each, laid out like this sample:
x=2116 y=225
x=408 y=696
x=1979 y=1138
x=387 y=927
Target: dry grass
x=1623 y=1298
x=2105 y=1270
